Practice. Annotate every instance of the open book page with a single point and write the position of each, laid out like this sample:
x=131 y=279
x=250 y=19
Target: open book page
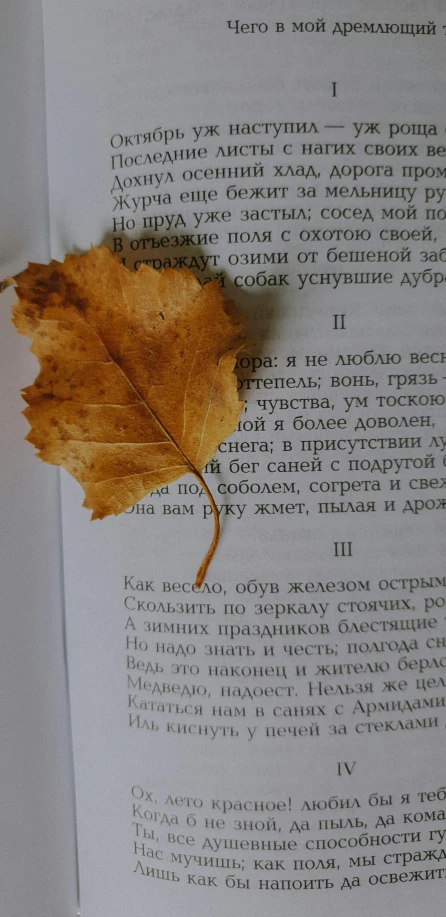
x=38 y=874
x=275 y=742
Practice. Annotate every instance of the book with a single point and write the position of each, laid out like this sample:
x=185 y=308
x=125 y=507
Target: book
x=273 y=741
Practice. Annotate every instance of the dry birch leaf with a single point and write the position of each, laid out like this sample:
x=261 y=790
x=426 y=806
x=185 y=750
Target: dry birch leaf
x=136 y=384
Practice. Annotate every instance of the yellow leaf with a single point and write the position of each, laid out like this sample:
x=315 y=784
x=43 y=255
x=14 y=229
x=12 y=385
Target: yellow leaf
x=136 y=384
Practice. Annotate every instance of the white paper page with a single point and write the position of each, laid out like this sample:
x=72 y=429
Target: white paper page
x=38 y=864
x=325 y=803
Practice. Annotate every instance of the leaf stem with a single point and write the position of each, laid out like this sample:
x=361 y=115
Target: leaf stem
x=202 y=570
